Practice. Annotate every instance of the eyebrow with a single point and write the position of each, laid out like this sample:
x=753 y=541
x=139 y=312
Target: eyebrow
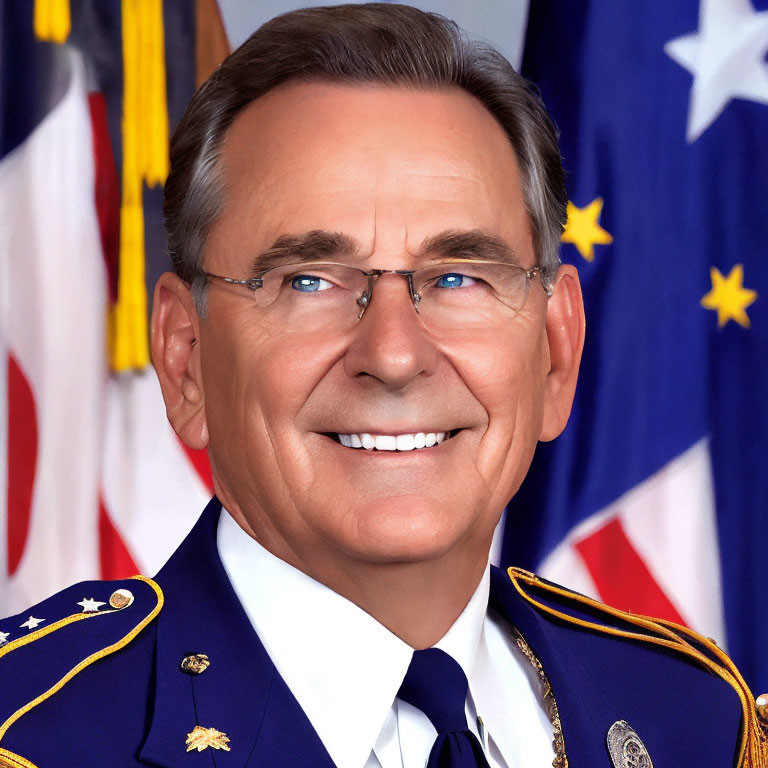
x=473 y=244
x=323 y=245
x=316 y=245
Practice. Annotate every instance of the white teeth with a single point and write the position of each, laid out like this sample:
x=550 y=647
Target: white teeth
x=406 y=442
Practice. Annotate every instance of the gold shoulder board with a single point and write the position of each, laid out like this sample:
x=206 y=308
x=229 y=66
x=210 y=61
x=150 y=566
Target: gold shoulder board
x=113 y=601
x=753 y=750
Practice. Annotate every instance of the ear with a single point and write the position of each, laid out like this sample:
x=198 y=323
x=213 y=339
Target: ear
x=176 y=356
x=565 y=338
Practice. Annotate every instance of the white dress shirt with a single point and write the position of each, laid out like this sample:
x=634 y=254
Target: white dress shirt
x=345 y=668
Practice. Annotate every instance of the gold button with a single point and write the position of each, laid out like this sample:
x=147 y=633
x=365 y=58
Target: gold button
x=761 y=704
x=195 y=663
x=121 y=598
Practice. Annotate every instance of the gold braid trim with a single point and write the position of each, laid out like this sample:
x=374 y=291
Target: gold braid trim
x=12 y=760
x=753 y=748
x=82 y=665
x=558 y=740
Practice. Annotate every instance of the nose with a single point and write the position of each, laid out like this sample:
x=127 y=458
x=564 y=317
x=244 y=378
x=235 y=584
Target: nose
x=390 y=343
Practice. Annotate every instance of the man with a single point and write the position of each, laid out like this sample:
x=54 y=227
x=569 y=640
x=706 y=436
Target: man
x=369 y=331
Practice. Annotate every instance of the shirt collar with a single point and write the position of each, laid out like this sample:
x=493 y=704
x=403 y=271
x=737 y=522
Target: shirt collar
x=462 y=640
x=343 y=666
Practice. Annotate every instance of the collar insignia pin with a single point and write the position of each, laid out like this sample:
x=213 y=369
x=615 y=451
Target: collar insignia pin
x=626 y=748
x=202 y=738
x=195 y=663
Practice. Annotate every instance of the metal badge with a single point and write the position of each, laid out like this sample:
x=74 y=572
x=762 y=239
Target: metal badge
x=761 y=705
x=195 y=663
x=625 y=747
x=121 y=598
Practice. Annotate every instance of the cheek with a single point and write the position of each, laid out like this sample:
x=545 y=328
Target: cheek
x=288 y=369
x=227 y=368
x=257 y=378
x=250 y=364
x=507 y=376
x=505 y=372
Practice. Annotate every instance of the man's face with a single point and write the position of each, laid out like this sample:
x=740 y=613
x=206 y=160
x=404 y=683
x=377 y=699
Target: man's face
x=390 y=168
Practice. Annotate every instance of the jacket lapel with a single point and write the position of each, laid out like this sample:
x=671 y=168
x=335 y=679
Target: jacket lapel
x=586 y=713
x=240 y=694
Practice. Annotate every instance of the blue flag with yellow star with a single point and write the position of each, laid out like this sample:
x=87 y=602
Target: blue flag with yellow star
x=655 y=498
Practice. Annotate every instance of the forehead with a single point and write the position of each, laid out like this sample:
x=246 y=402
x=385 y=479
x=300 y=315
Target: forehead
x=388 y=166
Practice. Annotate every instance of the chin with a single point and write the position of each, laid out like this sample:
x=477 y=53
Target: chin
x=406 y=529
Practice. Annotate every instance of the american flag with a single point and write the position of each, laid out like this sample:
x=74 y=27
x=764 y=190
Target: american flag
x=98 y=485
x=655 y=499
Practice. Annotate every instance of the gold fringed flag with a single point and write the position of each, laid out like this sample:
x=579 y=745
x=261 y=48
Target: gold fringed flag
x=145 y=160
x=52 y=20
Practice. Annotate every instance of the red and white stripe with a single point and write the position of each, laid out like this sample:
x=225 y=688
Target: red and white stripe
x=655 y=550
x=88 y=460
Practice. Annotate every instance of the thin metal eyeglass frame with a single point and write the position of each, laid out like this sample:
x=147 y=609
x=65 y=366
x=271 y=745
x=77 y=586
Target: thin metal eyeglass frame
x=254 y=283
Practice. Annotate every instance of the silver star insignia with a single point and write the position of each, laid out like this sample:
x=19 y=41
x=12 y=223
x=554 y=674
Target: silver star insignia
x=32 y=622
x=90 y=605
x=4 y=638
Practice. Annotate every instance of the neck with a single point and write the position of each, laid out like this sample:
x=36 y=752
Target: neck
x=418 y=601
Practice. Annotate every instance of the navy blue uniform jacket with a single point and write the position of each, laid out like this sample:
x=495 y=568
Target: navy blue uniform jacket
x=105 y=688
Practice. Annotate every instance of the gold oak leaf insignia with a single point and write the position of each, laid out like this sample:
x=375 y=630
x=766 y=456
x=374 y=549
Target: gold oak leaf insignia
x=202 y=738
x=583 y=228
x=729 y=297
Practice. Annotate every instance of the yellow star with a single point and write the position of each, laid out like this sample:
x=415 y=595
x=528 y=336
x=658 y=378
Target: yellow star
x=729 y=296
x=583 y=230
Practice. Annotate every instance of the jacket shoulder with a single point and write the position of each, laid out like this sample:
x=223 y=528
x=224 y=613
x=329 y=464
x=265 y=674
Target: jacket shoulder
x=630 y=632
x=47 y=646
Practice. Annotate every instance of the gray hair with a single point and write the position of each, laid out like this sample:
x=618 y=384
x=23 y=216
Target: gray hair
x=380 y=43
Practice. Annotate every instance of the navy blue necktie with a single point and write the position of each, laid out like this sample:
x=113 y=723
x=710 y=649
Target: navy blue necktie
x=437 y=685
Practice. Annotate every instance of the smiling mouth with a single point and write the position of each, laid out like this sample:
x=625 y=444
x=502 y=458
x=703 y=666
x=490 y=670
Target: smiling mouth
x=413 y=441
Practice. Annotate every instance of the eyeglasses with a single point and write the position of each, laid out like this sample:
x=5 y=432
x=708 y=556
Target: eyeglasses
x=448 y=296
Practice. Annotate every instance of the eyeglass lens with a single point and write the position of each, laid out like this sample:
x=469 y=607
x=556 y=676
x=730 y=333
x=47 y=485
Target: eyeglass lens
x=460 y=296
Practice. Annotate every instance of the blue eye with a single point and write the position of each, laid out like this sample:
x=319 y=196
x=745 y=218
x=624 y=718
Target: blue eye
x=454 y=280
x=310 y=284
